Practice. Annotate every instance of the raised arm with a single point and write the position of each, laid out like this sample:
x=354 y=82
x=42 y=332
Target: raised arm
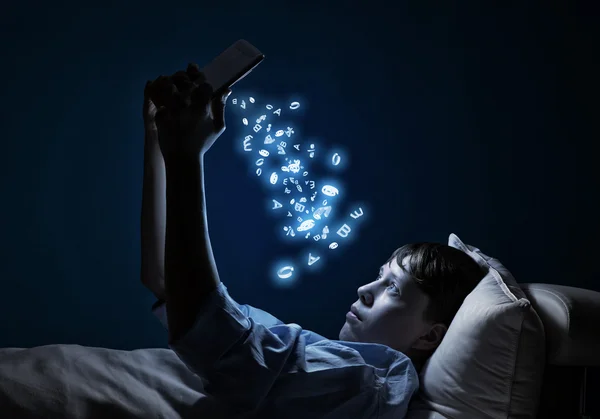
x=188 y=123
x=154 y=207
x=154 y=219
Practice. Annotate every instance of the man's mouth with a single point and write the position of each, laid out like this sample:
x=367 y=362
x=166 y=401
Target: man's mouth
x=354 y=312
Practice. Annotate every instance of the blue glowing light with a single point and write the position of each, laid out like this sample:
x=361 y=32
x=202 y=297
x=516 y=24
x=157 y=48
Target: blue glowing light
x=308 y=209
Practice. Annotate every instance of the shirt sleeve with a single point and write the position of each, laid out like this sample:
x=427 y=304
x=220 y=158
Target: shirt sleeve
x=238 y=357
x=259 y=316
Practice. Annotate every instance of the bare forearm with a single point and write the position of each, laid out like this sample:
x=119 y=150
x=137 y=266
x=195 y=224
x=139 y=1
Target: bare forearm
x=153 y=217
x=190 y=269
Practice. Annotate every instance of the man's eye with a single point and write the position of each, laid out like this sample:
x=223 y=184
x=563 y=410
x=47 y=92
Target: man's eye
x=393 y=288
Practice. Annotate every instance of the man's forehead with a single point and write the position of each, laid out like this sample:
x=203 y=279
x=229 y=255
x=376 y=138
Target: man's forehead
x=393 y=267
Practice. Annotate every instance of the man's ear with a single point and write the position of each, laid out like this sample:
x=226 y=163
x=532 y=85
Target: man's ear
x=432 y=338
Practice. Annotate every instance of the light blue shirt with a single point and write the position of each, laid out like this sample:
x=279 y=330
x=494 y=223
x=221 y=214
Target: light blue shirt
x=255 y=365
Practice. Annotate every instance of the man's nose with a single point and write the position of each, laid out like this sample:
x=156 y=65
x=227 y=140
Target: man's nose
x=365 y=295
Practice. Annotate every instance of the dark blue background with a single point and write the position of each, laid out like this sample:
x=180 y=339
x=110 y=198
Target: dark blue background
x=475 y=121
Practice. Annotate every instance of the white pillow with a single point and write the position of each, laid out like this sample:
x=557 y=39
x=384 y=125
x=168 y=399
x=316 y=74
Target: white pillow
x=491 y=361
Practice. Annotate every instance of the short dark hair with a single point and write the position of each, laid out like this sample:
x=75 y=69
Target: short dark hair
x=443 y=272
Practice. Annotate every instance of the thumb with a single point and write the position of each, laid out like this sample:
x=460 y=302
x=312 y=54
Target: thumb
x=218 y=110
x=147 y=102
x=146 y=89
x=149 y=107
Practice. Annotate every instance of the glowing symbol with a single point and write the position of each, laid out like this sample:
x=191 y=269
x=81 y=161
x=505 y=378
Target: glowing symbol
x=335 y=160
x=322 y=211
x=329 y=190
x=312 y=259
x=294 y=167
x=306 y=218
x=247 y=146
x=285 y=272
x=344 y=230
x=356 y=214
x=306 y=225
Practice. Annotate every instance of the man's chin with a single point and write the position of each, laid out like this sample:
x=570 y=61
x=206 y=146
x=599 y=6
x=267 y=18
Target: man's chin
x=347 y=334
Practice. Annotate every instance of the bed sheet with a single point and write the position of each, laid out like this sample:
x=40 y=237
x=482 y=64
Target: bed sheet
x=76 y=382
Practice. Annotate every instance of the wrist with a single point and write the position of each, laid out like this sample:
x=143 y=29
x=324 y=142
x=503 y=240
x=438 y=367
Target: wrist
x=150 y=135
x=150 y=124
x=179 y=161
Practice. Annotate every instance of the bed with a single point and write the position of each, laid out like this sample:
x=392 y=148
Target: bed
x=513 y=351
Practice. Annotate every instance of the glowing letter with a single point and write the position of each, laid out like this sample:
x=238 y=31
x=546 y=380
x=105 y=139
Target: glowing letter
x=335 y=160
x=247 y=146
x=356 y=214
x=330 y=190
x=312 y=259
x=306 y=225
x=285 y=272
x=344 y=230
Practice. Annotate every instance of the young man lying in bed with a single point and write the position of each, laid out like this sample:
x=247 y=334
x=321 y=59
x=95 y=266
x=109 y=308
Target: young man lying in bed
x=253 y=363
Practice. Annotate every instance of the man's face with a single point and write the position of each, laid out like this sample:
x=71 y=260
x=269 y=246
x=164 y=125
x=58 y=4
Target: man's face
x=389 y=311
